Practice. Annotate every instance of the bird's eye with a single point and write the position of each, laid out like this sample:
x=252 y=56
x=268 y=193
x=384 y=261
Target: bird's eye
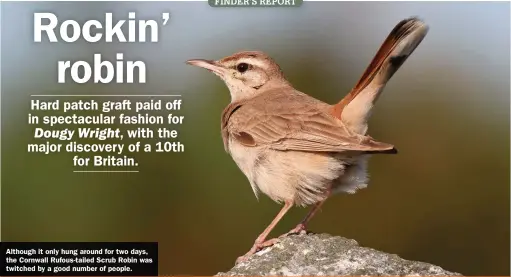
x=242 y=67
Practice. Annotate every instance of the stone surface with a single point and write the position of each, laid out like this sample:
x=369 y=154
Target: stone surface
x=322 y=254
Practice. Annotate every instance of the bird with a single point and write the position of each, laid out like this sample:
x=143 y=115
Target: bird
x=294 y=148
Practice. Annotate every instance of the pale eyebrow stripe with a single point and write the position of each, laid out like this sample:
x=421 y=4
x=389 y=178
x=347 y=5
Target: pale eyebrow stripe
x=252 y=61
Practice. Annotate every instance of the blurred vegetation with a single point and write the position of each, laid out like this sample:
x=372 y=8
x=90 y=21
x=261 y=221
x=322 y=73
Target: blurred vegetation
x=443 y=199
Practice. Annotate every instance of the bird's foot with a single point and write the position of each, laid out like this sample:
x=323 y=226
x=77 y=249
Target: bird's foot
x=258 y=246
x=299 y=229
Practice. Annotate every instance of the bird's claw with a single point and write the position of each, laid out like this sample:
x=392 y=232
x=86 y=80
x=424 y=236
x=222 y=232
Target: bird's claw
x=299 y=229
x=258 y=246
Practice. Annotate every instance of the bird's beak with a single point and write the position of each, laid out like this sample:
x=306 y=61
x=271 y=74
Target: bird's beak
x=209 y=65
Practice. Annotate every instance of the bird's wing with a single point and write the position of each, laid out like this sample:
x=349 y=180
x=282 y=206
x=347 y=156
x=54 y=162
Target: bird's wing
x=293 y=121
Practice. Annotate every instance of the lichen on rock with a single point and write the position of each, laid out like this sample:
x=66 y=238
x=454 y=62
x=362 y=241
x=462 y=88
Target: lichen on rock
x=323 y=254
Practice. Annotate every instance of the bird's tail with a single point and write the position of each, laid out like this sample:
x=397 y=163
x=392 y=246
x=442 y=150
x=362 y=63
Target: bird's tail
x=355 y=108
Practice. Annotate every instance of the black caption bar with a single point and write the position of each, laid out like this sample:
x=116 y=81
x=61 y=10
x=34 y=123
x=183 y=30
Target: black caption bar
x=79 y=258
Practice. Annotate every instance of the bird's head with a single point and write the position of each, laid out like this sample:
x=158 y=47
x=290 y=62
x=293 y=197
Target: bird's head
x=246 y=74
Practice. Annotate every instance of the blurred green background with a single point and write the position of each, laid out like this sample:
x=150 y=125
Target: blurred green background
x=443 y=199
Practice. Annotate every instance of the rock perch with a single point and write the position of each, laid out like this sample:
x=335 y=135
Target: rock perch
x=322 y=254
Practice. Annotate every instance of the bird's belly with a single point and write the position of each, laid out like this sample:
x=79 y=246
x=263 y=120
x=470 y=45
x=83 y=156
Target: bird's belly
x=288 y=176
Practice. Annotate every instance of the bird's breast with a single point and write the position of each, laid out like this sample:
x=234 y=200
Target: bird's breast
x=245 y=157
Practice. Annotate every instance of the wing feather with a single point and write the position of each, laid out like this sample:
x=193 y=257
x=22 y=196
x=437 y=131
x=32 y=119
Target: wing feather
x=295 y=122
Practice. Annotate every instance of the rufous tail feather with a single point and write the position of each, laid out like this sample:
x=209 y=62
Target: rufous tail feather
x=396 y=48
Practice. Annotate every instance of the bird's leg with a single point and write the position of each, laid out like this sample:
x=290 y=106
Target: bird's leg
x=302 y=226
x=261 y=241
